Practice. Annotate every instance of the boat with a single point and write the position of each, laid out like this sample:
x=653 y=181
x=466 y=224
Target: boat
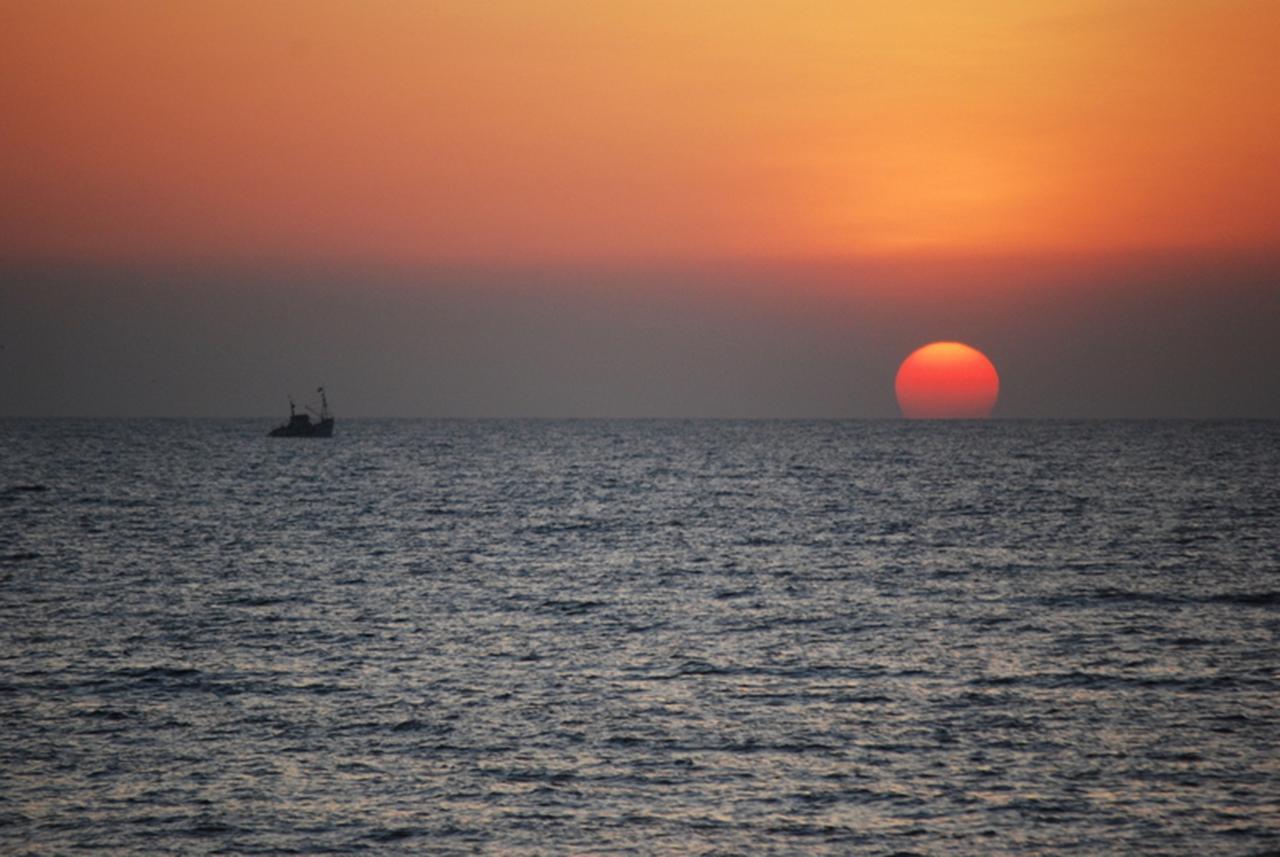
x=300 y=425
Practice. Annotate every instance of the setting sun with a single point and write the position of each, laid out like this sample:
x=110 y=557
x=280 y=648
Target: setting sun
x=947 y=380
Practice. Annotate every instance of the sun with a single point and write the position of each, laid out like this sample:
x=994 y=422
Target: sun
x=947 y=380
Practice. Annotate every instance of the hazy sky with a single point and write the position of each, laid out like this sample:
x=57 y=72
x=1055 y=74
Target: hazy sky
x=637 y=209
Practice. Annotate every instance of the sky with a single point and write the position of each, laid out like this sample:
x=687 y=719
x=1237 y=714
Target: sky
x=573 y=208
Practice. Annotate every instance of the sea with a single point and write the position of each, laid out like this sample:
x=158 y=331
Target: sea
x=640 y=637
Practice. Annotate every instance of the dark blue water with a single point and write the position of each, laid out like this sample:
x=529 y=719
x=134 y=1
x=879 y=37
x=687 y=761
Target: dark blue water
x=640 y=637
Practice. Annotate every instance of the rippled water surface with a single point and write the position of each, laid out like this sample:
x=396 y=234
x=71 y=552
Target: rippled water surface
x=706 y=637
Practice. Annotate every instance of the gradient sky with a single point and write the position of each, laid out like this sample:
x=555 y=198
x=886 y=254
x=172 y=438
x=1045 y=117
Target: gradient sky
x=629 y=209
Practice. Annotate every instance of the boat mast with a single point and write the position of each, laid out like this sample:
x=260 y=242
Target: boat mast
x=324 y=404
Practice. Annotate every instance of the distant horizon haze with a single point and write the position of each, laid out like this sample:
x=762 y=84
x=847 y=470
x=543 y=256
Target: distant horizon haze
x=1165 y=336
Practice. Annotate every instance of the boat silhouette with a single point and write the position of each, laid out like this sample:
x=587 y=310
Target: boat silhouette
x=300 y=425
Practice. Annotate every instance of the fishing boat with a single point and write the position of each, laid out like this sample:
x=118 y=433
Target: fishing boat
x=301 y=425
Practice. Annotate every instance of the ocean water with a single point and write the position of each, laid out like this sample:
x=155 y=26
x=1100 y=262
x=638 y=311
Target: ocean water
x=542 y=637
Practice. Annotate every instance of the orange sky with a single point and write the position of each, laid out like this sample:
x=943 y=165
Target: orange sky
x=575 y=130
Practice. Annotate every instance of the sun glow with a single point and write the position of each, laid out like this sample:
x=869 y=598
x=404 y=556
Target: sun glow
x=573 y=130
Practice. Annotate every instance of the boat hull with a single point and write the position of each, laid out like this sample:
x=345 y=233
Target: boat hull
x=323 y=428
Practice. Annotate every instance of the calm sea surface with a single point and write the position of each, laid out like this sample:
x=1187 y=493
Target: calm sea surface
x=640 y=637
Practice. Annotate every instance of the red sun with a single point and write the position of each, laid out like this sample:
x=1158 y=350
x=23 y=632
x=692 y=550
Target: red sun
x=947 y=380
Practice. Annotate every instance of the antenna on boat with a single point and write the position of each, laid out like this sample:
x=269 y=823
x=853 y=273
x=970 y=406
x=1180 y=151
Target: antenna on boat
x=292 y=407
x=324 y=404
